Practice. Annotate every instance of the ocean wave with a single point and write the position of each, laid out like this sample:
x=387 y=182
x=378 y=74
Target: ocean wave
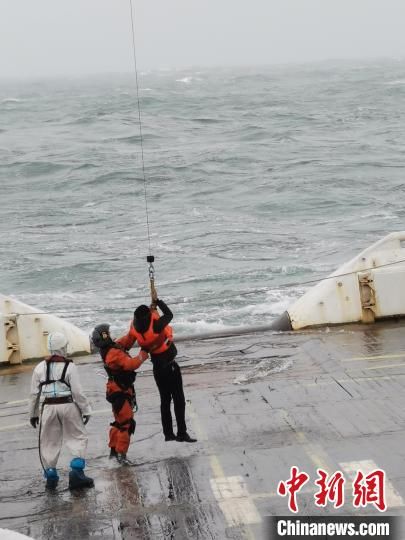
x=184 y=327
x=228 y=215
x=11 y=100
x=207 y=120
x=37 y=168
x=397 y=82
x=114 y=176
x=186 y=80
x=85 y=166
x=233 y=256
x=131 y=139
x=82 y=120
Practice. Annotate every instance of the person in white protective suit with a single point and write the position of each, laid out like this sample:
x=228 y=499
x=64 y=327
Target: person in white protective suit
x=58 y=405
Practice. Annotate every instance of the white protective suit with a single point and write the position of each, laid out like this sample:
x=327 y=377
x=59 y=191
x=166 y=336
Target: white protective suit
x=62 y=421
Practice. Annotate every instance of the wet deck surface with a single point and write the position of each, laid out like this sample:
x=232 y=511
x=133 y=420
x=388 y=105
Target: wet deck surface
x=258 y=404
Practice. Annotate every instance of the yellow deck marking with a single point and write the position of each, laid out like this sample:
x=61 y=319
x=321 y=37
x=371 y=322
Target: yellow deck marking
x=101 y=411
x=314 y=451
x=230 y=492
x=14 y=426
x=16 y=402
x=376 y=357
x=216 y=467
x=384 y=366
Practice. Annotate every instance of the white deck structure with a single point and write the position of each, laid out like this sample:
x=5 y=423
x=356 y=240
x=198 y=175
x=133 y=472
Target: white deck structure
x=24 y=331
x=369 y=287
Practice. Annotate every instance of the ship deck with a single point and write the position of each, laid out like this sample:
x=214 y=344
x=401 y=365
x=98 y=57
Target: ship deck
x=258 y=404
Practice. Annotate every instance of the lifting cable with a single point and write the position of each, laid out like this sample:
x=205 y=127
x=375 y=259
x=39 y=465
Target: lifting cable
x=150 y=258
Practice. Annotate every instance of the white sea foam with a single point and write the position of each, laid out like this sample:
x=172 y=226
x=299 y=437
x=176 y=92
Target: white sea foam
x=199 y=327
x=397 y=82
x=11 y=100
x=265 y=367
x=185 y=80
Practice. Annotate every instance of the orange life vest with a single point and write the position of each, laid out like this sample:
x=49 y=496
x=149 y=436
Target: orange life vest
x=149 y=340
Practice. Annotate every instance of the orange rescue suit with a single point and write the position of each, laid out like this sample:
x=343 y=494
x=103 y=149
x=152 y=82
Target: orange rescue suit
x=119 y=363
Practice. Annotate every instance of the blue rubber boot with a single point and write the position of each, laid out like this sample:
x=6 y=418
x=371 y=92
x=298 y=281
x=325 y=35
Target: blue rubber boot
x=77 y=478
x=52 y=478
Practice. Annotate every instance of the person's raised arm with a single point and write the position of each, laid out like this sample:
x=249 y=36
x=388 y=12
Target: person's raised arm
x=127 y=341
x=165 y=319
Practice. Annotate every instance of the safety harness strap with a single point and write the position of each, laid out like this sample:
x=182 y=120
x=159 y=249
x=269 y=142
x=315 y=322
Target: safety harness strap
x=117 y=400
x=64 y=373
x=124 y=379
x=49 y=361
x=128 y=425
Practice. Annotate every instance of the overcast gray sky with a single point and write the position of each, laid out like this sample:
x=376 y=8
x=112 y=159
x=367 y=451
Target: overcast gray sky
x=56 y=37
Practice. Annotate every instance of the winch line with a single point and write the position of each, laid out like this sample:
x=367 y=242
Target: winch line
x=140 y=123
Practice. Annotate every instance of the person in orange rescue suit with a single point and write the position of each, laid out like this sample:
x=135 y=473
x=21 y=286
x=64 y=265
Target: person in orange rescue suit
x=153 y=333
x=120 y=368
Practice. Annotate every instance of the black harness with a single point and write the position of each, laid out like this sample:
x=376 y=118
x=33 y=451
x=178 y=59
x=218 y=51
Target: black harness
x=55 y=359
x=125 y=380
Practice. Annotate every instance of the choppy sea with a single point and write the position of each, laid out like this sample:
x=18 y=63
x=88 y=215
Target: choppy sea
x=256 y=179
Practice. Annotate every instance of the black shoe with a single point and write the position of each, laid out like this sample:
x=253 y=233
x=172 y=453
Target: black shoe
x=113 y=453
x=77 y=479
x=51 y=483
x=185 y=438
x=123 y=460
x=171 y=437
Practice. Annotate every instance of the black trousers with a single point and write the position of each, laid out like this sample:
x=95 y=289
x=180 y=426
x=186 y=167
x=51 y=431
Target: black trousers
x=170 y=384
